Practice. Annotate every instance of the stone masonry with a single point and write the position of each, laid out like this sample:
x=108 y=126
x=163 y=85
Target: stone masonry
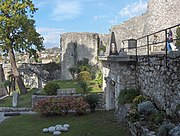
x=159 y=80
x=156 y=77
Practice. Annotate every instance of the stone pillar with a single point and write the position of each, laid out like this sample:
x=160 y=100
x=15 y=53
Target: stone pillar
x=15 y=99
x=2 y=79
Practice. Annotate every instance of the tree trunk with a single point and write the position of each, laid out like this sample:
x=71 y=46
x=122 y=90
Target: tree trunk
x=15 y=71
x=12 y=87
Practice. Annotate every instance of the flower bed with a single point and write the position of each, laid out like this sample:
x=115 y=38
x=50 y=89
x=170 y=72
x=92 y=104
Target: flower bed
x=61 y=106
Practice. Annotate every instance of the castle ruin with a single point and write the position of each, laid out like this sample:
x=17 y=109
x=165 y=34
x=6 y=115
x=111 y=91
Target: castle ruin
x=150 y=74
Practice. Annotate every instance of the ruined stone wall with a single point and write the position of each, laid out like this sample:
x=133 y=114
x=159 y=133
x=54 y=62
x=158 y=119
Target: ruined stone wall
x=76 y=46
x=159 y=81
x=34 y=75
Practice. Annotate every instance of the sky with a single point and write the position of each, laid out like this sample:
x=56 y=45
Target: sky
x=55 y=17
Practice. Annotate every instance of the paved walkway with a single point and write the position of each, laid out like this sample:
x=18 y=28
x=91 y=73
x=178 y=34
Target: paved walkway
x=2 y=118
x=2 y=97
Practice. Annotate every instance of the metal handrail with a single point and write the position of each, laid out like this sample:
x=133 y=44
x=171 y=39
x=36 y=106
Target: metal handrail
x=149 y=44
x=151 y=35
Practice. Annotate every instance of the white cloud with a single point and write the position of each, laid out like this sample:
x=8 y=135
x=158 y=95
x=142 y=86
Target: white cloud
x=134 y=9
x=51 y=36
x=66 y=10
x=113 y=21
x=99 y=17
x=100 y=4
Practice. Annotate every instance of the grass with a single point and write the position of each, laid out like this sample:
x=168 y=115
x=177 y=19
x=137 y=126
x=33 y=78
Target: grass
x=74 y=84
x=100 y=123
x=24 y=100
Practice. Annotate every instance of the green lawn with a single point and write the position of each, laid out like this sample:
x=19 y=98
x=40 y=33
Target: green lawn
x=24 y=100
x=74 y=84
x=100 y=123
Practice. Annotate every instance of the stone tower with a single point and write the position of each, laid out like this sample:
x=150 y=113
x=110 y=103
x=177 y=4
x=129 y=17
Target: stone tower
x=76 y=46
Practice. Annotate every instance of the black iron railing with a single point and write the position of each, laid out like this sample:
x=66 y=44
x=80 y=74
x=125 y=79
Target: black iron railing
x=145 y=45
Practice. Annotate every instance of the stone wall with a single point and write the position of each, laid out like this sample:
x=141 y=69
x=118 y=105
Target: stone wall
x=117 y=76
x=156 y=76
x=160 y=81
x=76 y=46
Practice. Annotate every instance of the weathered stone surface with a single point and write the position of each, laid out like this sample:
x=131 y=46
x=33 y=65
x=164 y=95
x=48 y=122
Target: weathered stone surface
x=56 y=133
x=51 y=129
x=66 y=125
x=45 y=130
x=64 y=129
x=15 y=99
x=34 y=75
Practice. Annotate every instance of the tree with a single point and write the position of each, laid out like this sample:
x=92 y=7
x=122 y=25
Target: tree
x=18 y=33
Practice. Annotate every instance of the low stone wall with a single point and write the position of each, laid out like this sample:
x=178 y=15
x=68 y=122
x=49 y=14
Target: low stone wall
x=10 y=109
x=68 y=91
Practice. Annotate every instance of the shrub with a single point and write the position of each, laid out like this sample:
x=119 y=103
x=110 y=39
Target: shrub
x=61 y=106
x=127 y=96
x=92 y=100
x=84 y=86
x=84 y=68
x=99 y=78
x=133 y=116
x=51 y=88
x=164 y=129
x=146 y=107
x=139 y=99
x=159 y=117
x=74 y=71
x=84 y=76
